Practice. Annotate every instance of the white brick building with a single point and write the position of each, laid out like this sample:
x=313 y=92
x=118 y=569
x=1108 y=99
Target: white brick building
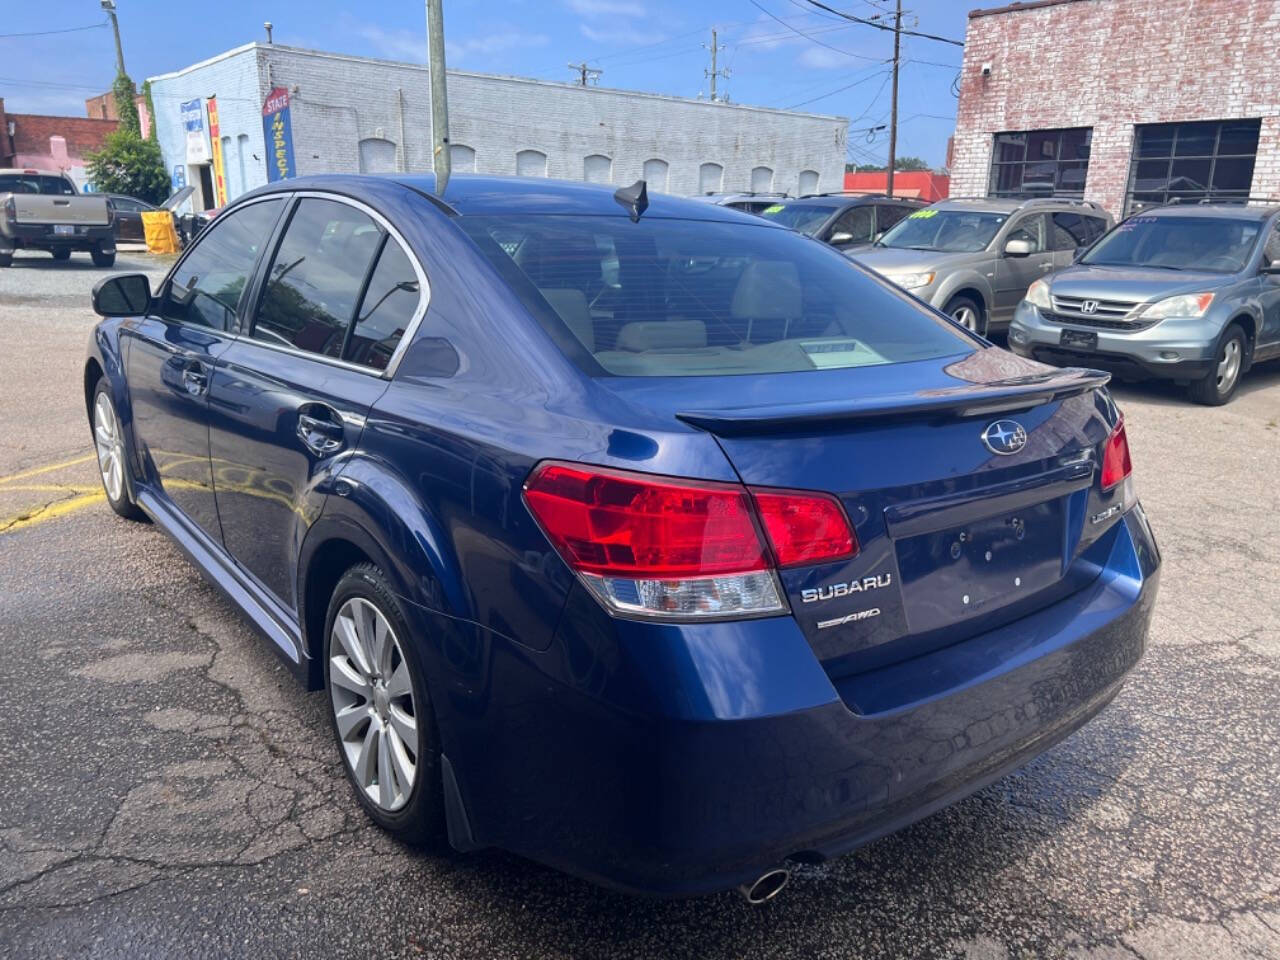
x=353 y=114
x=1125 y=102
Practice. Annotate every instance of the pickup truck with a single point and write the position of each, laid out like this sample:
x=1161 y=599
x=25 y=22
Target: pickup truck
x=43 y=211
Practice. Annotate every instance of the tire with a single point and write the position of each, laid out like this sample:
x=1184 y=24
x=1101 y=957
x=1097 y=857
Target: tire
x=61 y=254
x=101 y=259
x=369 y=703
x=108 y=442
x=969 y=314
x=1219 y=385
x=6 y=259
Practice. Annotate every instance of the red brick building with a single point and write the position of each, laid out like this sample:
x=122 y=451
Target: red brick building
x=50 y=143
x=1126 y=102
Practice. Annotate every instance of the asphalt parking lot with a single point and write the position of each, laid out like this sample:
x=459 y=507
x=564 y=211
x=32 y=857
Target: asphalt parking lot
x=166 y=790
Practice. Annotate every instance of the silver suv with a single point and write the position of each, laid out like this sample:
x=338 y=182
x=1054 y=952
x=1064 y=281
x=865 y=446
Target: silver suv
x=974 y=258
x=1186 y=293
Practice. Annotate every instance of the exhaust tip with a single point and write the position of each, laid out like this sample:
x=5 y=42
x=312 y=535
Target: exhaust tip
x=767 y=886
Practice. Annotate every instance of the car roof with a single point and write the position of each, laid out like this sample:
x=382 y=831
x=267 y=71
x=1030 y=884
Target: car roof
x=1231 y=211
x=1010 y=204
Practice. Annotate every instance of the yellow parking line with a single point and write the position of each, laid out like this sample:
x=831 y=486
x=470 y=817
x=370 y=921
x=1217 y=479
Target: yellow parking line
x=50 y=488
x=49 y=468
x=58 y=508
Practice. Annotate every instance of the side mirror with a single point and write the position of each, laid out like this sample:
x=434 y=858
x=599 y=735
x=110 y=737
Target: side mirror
x=124 y=295
x=840 y=239
x=1019 y=248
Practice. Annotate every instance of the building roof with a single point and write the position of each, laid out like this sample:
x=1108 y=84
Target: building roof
x=593 y=90
x=1019 y=6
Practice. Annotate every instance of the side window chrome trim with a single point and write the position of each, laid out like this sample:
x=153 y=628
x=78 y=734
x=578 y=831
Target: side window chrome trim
x=424 y=293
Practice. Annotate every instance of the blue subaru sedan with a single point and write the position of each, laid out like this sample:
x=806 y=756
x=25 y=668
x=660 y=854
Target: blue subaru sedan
x=636 y=535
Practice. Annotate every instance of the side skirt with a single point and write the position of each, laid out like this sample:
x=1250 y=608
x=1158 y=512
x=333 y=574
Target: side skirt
x=265 y=614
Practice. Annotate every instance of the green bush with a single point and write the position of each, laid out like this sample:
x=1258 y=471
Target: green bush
x=130 y=165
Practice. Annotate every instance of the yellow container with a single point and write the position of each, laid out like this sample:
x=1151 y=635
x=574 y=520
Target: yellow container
x=157 y=226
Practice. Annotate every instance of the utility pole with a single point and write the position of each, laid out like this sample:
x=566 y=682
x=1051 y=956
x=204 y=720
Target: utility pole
x=110 y=7
x=893 y=108
x=586 y=73
x=713 y=73
x=441 y=161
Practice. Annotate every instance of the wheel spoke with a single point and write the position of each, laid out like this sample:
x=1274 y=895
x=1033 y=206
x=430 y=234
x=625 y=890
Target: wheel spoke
x=103 y=433
x=366 y=763
x=343 y=675
x=399 y=683
x=363 y=621
x=403 y=766
x=405 y=727
x=386 y=784
x=348 y=635
x=350 y=718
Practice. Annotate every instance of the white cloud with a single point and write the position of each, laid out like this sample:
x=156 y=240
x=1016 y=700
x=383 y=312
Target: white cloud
x=495 y=43
x=820 y=58
x=411 y=46
x=396 y=44
x=606 y=8
x=623 y=36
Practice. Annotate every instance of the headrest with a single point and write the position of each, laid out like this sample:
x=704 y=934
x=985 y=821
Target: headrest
x=767 y=290
x=571 y=304
x=642 y=335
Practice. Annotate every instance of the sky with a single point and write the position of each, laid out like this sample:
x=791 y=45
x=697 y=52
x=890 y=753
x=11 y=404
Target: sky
x=780 y=53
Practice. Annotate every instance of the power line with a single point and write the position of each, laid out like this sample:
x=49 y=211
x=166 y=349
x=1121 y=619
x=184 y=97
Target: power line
x=810 y=38
x=881 y=26
x=847 y=86
x=49 y=33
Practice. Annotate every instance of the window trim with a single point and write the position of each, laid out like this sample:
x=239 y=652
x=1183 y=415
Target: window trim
x=260 y=282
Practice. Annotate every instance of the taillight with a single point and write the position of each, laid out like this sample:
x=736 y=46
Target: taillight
x=1116 y=465
x=671 y=548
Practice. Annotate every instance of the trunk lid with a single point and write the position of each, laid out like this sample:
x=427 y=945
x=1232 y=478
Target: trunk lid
x=954 y=537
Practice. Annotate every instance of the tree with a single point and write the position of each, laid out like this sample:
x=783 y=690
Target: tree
x=901 y=164
x=151 y=110
x=126 y=108
x=130 y=165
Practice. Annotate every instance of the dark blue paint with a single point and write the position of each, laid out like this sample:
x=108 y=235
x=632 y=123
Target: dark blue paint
x=666 y=758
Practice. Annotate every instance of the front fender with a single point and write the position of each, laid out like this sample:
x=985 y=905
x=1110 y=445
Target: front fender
x=967 y=278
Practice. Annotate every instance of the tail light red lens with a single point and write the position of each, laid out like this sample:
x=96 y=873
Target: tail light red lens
x=616 y=524
x=660 y=547
x=1116 y=465
x=804 y=528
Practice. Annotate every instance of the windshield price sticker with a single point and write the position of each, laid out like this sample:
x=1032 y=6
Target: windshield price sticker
x=772 y=208
x=923 y=214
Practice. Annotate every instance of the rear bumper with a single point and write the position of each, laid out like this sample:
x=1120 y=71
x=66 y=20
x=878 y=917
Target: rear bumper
x=40 y=236
x=1170 y=350
x=748 y=754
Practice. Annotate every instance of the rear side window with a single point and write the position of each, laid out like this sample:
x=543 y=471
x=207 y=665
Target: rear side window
x=1069 y=231
x=1096 y=227
x=207 y=285
x=36 y=183
x=389 y=305
x=697 y=298
x=316 y=277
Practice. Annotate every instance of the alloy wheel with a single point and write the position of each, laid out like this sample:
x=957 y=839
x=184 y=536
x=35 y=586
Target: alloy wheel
x=1229 y=365
x=106 y=438
x=373 y=704
x=967 y=317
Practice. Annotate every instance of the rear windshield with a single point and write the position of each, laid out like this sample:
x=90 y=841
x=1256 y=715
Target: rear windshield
x=34 y=183
x=1214 y=244
x=949 y=230
x=805 y=217
x=665 y=297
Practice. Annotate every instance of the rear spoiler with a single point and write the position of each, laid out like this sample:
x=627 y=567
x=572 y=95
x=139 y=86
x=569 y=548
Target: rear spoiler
x=978 y=399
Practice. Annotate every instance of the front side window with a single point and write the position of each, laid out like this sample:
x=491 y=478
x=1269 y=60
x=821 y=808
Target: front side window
x=959 y=231
x=1189 y=162
x=888 y=214
x=857 y=222
x=1271 y=252
x=703 y=298
x=1040 y=163
x=1213 y=244
x=316 y=277
x=1030 y=229
x=208 y=283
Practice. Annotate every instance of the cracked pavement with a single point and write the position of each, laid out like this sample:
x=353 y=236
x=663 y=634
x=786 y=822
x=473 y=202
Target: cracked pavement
x=166 y=790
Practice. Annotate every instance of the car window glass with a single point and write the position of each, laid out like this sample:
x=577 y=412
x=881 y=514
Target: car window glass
x=1202 y=243
x=890 y=213
x=1029 y=228
x=389 y=304
x=207 y=285
x=129 y=205
x=1070 y=231
x=1271 y=252
x=857 y=222
x=316 y=277
x=1095 y=226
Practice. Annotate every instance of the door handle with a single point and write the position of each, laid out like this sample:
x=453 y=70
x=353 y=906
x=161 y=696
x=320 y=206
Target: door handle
x=1046 y=266
x=195 y=378
x=322 y=435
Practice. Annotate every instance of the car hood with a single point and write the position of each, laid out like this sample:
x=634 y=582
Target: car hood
x=893 y=260
x=1136 y=284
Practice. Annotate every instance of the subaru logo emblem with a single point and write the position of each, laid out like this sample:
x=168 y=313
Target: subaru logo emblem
x=1088 y=306
x=1005 y=437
